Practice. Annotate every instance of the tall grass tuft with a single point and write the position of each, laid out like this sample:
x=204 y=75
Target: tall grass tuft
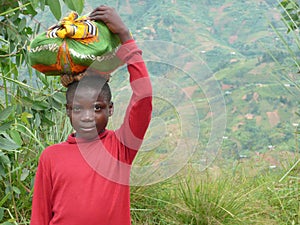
x=153 y=204
x=201 y=198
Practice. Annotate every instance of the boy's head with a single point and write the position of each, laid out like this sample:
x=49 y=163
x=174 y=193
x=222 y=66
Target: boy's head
x=89 y=106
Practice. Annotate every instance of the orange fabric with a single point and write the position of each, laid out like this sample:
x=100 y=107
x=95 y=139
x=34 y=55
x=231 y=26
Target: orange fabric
x=55 y=67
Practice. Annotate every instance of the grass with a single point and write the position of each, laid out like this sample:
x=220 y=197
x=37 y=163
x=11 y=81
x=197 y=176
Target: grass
x=221 y=196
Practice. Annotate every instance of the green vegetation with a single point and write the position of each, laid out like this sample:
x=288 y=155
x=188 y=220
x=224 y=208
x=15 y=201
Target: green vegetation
x=220 y=197
x=251 y=48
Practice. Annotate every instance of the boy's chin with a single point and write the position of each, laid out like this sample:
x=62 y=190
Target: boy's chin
x=87 y=135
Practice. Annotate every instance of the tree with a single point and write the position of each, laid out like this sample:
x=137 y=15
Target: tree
x=290 y=14
x=27 y=108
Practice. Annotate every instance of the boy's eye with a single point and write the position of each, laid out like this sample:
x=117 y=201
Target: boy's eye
x=76 y=108
x=97 y=108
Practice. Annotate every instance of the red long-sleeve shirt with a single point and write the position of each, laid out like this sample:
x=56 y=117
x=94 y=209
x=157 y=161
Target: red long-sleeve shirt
x=82 y=182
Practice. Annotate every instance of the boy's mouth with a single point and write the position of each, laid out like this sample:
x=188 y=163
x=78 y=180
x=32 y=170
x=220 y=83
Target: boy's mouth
x=87 y=129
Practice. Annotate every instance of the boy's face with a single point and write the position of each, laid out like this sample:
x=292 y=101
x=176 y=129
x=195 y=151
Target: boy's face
x=89 y=113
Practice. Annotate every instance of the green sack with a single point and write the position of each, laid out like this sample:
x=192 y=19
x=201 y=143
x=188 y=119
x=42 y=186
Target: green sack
x=74 y=45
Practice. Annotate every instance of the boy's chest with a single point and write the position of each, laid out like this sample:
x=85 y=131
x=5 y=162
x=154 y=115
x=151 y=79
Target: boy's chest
x=70 y=168
x=80 y=191
x=91 y=164
x=73 y=180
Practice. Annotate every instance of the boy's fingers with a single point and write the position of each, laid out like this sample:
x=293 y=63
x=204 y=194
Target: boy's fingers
x=96 y=13
x=101 y=8
x=96 y=17
x=100 y=15
x=103 y=18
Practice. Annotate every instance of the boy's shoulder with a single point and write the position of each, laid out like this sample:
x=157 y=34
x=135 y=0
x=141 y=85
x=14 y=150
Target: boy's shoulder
x=56 y=148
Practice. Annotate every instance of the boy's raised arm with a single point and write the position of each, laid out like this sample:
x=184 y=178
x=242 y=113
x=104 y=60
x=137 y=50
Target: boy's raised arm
x=139 y=110
x=138 y=113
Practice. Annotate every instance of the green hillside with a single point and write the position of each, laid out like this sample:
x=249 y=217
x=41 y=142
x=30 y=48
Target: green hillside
x=236 y=41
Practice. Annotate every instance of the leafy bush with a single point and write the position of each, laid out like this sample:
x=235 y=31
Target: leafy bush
x=29 y=105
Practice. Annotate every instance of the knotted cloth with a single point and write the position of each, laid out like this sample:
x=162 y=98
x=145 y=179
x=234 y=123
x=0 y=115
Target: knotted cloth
x=73 y=45
x=73 y=27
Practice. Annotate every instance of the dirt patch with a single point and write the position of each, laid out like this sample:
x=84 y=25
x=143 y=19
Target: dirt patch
x=219 y=12
x=234 y=109
x=209 y=115
x=227 y=87
x=258 y=120
x=190 y=90
x=249 y=116
x=233 y=39
x=258 y=69
x=237 y=127
x=190 y=65
x=255 y=96
x=274 y=118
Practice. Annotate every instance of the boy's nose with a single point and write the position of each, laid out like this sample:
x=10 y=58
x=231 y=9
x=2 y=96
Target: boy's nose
x=87 y=115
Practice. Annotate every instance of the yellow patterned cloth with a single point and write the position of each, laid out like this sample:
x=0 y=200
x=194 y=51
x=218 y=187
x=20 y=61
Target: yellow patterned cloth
x=74 y=45
x=74 y=27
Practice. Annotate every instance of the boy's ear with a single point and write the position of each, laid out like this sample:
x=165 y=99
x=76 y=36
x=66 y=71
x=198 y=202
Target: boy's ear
x=68 y=110
x=110 y=109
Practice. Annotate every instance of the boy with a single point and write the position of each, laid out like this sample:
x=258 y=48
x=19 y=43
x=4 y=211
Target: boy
x=85 y=180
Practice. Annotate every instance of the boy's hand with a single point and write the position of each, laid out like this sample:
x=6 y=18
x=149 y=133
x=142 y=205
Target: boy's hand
x=113 y=21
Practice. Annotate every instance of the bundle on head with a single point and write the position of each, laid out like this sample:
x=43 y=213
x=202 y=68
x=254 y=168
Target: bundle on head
x=72 y=46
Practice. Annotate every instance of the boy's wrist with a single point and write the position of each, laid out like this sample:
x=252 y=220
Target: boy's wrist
x=129 y=52
x=125 y=36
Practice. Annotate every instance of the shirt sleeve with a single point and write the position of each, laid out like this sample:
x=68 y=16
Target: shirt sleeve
x=41 y=213
x=138 y=113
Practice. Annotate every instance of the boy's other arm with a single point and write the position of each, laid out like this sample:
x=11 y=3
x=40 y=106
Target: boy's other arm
x=41 y=212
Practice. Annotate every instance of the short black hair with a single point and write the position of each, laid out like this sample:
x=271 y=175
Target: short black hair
x=90 y=81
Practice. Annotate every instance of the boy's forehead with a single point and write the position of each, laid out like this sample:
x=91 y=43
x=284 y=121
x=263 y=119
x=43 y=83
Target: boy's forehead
x=80 y=90
x=87 y=94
